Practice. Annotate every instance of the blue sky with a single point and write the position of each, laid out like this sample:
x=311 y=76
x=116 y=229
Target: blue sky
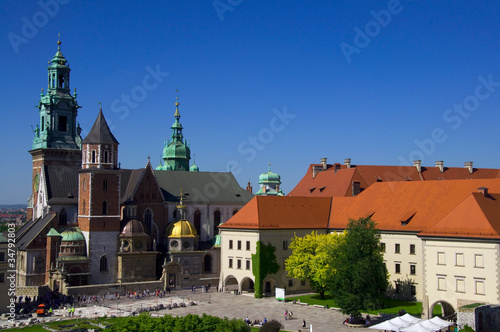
x=281 y=82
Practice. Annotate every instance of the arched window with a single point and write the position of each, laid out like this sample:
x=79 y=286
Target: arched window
x=104 y=208
x=175 y=214
x=103 y=264
x=235 y=211
x=105 y=184
x=216 y=221
x=93 y=156
x=207 y=264
x=197 y=221
x=62 y=217
x=148 y=220
x=106 y=156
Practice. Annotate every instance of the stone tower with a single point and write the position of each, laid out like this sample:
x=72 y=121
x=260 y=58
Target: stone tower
x=57 y=140
x=99 y=200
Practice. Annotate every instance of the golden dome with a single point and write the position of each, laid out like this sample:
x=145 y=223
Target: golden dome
x=181 y=228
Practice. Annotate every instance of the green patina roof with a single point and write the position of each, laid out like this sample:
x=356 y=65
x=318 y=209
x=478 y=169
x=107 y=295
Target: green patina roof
x=269 y=177
x=3 y=239
x=53 y=232
x=194 y=168
x=73 y=234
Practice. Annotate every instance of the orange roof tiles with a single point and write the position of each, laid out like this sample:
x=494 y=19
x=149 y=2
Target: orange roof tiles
x=337 y=179
x=282 y=212
x=421 y=206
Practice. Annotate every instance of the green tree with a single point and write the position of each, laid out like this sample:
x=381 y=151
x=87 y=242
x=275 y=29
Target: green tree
x=263 y=264
x=311 y=259
x=361 y=277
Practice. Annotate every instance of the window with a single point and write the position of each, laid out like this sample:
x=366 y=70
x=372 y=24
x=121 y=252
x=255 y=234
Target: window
x=479 y=286
x=43 y=123
x=248 y=245
x=106 y=156
x=239 y=263
x=412 y=249
x=285 y=245
x=460 y=285
x=93 y=156
x=441 y=258
x=398 y=268
x=230 y=244
x=103 y=264
x=148 y=220
x=397 y=248
x=216 y=221
x=247 y=264
x=239 y=245
x=2 y=256
x=62 y=123
x=302 y=283
x=413 y=269
x=478 y=260
x=413 y=290
x=382 y=246
x=397 y=288
x=290 y=283
x=62 y=217
x=441 y=283
x=197 y=221
x=2 y=277
x=104 y=208
x=230 y=263
x=459 y=259
x=105 y=184
x=235 y=211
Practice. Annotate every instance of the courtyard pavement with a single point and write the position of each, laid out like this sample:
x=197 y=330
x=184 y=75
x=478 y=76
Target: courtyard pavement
x=220 y=305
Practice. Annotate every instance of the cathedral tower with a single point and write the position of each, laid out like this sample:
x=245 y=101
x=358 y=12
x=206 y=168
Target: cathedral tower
x=57 y=140
x=99 y=200
x=176 y=153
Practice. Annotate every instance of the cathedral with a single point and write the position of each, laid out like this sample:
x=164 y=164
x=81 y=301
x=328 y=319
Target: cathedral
x=91 y=222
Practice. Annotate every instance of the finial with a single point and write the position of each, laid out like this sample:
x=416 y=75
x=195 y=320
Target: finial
x=177 y=97
x=149 y=159
x=269 y=167
x=100 y=106
x=42 y=91
x=75 y=93
x=181 y=196
x=59 y=40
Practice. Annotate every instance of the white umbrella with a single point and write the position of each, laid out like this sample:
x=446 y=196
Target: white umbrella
x=425 y=326
x=386 y=325
x=441 y=322
x=411 y=319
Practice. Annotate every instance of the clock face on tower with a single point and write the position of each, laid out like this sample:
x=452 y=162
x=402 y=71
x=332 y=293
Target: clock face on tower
x=36 y=182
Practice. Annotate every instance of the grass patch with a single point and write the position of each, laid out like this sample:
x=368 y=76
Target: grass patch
x=472 y=306
x=392 y=306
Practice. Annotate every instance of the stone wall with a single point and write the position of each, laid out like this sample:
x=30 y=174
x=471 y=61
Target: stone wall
x=115 y=288
x=32 y=291
x=466 y=317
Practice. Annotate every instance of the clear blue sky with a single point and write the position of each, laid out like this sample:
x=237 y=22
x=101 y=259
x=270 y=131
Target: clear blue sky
x=375 y=81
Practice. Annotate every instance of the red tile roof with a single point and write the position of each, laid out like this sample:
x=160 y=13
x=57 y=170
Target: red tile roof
x=282 y=212
x=337 y=179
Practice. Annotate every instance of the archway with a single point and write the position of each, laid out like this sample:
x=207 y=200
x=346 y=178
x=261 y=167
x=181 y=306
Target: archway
x=247 y=285
x=207 y=264
x=231 y=284
x=442 y=309
x=269 y=286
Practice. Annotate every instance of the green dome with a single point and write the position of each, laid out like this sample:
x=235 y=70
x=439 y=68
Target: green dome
x=269 y=177
x=194 y=168
x=72 y=235
x=176 y=149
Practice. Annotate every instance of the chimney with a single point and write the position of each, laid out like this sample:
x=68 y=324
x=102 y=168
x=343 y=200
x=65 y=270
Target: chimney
x=483 y=190
x=249 y=187
x=468 y=165
x=347 y=162
x=336 y=167
x=440 y=165
x=323 y=162
x=418 y=165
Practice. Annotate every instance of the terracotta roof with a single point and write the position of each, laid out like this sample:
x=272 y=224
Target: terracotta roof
x=282 y=212
x=337 y=179
x=420 y=206
x=483 y=210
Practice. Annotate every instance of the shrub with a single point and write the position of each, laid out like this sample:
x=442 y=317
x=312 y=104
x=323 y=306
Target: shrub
x=271 y=326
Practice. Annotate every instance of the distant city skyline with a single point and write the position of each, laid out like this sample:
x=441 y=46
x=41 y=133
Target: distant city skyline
x=286 y=83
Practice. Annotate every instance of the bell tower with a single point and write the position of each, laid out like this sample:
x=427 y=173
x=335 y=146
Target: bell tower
x=57 y=140
x=99 y=200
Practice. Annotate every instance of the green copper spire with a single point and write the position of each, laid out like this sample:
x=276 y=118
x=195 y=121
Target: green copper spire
x=176 y=153
x=57 y=109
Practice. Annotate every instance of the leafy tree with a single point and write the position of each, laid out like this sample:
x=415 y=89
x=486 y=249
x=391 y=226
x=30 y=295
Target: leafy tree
x=271 y=326
x=263 y=264
x=467 y=328
x=311 y=259
x=361 y=277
